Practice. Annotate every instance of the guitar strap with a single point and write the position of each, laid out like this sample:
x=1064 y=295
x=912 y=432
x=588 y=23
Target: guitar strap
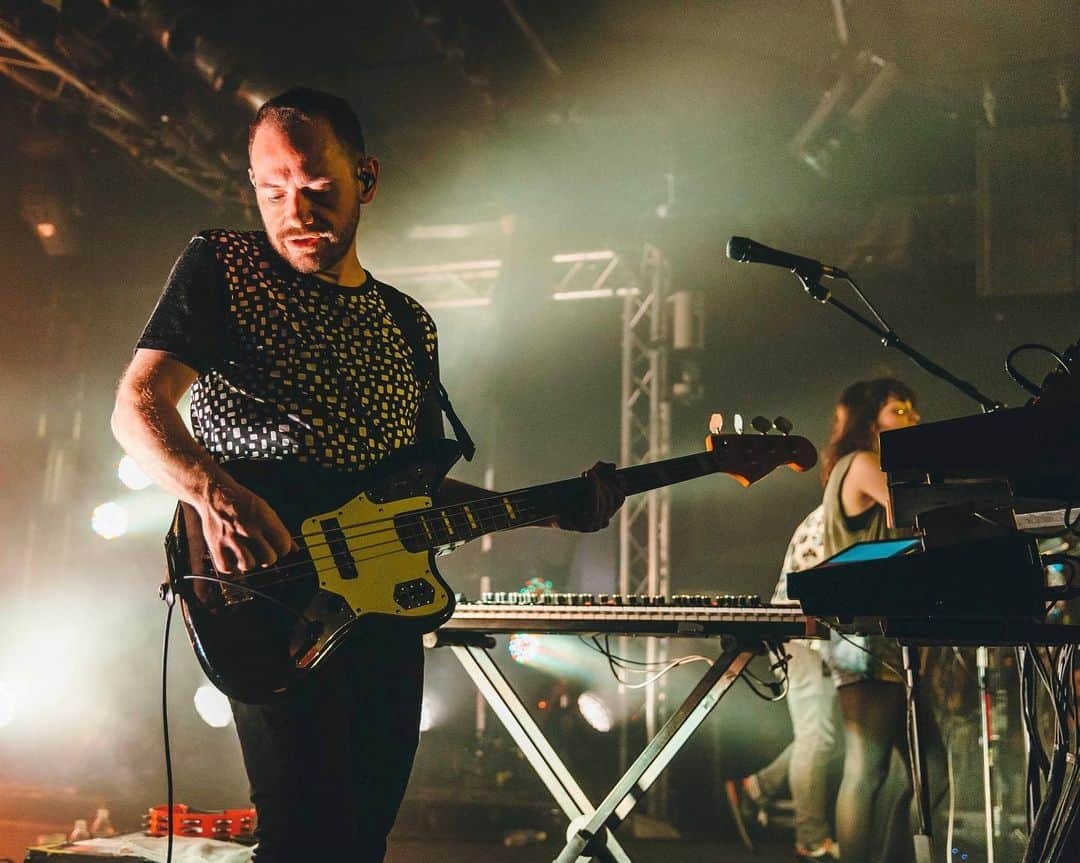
x=405 y=316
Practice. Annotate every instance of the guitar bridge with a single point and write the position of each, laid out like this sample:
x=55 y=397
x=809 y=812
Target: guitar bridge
x=234 y=594
x=230 y=591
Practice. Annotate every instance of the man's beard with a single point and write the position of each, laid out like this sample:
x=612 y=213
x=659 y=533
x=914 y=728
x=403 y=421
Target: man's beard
x=335 y=246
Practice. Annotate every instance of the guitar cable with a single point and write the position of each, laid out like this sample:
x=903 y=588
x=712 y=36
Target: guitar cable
x=1058 y=804
x=169 y=599
x=191 y=576
x=616 y=663
x=168 y=596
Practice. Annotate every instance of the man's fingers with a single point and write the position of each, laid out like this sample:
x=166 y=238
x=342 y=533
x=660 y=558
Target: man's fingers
x=243 y=555
x=261 y=551
x=605 y=496
x=604 y=470
x=604 y=493
x=245 y=560
x=609 y=489
x=278 y=535
x=222 y=560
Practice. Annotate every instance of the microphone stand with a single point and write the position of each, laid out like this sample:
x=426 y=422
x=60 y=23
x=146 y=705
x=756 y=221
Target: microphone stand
x=923 y=837
x=812 y=283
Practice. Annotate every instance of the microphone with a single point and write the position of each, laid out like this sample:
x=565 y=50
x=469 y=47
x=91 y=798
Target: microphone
x=746 y=251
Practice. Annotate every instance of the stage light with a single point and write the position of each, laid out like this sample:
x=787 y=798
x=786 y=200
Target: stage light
x=212 y=706
x=109 y=520
x=865 y=81
x=441 y=232
x=524 y=648
x=428 y=714
x=582 y=257
x=46 y=210
x=132 y=475
x=7 y=703
x=595 y=711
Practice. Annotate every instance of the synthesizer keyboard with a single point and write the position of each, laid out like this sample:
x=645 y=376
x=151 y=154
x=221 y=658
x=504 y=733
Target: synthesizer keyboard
x=1033 y=449
x=697 y=615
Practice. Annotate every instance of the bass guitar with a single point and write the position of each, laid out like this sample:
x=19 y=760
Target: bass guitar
x=367 y=546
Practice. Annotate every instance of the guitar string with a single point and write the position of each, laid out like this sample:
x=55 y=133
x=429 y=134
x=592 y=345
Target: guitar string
x=412 y=528
x=259 y=592
x=348 y=552
x=412 y=519
x=421 y=533
x=491 y=504
x=267 y=582
x=253 y=590
x=481 y=507
x=494 y=503
x=393 y=541
x=381 y=555
x=403 y=537
x=295 y=577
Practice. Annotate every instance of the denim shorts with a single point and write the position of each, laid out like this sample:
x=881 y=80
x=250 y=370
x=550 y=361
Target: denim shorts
x=855 y=658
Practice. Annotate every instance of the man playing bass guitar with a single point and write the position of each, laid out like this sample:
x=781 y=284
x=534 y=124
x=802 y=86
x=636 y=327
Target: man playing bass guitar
x=298 y=357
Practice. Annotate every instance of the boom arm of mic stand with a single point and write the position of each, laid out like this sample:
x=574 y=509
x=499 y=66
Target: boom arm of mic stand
x=890 y=339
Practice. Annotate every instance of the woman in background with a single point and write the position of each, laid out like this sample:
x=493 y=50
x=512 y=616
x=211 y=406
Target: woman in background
x=866 y=670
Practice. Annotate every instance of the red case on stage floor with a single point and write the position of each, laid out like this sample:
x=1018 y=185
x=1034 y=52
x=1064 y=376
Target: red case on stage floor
x=224 y=824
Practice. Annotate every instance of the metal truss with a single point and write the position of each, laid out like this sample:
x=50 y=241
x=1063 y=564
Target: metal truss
x=449 y=285
x=645 y=426
x=167 y=148
x=644 y=286
x=645 y=435
x=49 y=80
x=593 y=275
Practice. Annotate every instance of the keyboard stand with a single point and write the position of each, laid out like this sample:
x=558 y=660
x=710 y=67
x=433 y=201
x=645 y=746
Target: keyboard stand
x=591 y=835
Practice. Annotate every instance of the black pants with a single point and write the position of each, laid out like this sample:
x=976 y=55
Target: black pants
x=328 y=763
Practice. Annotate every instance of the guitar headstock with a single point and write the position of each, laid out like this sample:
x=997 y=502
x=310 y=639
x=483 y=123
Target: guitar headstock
x=749 y=457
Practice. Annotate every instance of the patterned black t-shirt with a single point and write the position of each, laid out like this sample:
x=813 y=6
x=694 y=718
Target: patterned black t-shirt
x=289 y=366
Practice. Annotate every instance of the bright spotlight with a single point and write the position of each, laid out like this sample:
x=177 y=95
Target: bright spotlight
x=595 y=711
x=429 y=714
x=524 y=647
x=132 y=475
x=7 y=703
x=212 y=706
x=109 y=520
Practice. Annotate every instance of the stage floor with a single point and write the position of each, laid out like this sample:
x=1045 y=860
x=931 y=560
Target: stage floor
x=459 y=851
x=639 y=850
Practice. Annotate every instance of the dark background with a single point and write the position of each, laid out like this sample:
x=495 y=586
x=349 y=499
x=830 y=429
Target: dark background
x=471 y=126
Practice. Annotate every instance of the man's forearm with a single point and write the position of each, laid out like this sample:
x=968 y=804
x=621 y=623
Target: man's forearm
x=153 y=433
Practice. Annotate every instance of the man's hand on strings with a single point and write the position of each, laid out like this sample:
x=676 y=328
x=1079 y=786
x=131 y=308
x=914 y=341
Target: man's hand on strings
x=605 y=492
x=242 y=531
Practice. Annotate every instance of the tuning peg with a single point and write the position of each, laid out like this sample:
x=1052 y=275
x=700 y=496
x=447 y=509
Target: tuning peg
x=716 y=423
x=783 y=425
x=737 y=423
x=761 y=424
